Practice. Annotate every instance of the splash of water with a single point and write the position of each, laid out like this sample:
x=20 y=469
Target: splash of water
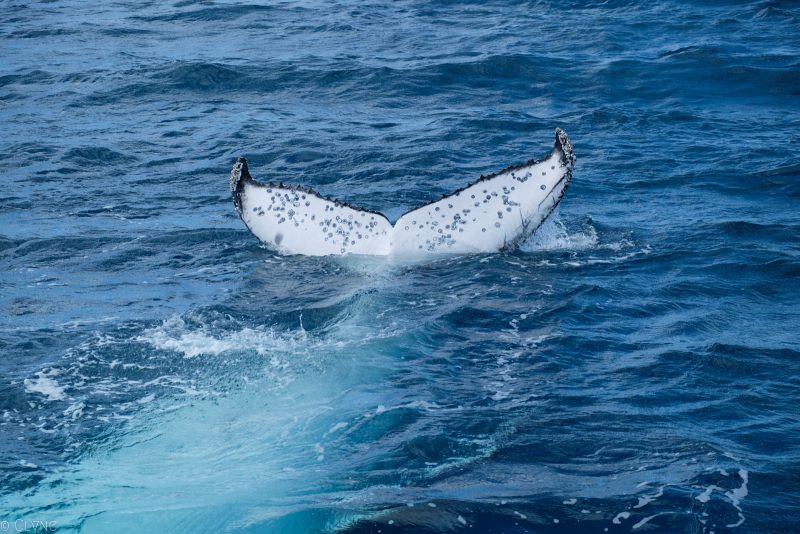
x=554 y=235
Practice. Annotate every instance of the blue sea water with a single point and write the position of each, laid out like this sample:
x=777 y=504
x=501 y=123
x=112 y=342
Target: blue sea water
x=634 y=367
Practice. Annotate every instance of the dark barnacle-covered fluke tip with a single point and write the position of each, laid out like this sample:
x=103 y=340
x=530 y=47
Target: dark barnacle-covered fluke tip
x=565 y=146
x=239 y=175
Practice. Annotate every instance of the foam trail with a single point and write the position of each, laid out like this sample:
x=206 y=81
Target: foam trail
x=216 y=461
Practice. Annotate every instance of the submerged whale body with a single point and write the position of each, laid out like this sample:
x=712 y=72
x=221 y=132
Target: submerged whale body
x=497 y=212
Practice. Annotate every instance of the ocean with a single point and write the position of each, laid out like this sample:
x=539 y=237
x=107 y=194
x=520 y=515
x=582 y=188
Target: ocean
x=633 y=367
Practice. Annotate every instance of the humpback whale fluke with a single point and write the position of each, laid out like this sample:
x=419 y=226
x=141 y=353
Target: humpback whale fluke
x=497 y=212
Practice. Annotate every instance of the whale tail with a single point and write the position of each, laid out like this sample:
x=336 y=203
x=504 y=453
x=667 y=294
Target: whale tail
x=496 y=212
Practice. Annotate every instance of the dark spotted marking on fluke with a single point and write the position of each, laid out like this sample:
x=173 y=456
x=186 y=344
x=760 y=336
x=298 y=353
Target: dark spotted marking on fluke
x=499 y=211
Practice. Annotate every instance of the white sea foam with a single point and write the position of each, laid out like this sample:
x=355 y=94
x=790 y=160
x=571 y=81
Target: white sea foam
x=644 y=521
x=44 y=384
x=320 y=450
x=176 y=336
x=75 y=411
x=736 y=495
x=620 y=517
x=335 y=428
x=647 y=499
x=706 y=495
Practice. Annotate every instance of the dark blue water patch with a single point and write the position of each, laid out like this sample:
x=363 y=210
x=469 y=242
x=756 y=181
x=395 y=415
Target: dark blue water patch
x=25 y=153
x=215 y=14
x=124 y=32
x=774 y=11
x=28 y=78
x=34 y=34
x=348 y=82
x=50 y=250
x=539 y=515
x=204 y=77
x=6 y=243
x=95 y=156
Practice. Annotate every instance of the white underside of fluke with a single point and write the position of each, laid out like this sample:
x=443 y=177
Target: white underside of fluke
x=495 y=213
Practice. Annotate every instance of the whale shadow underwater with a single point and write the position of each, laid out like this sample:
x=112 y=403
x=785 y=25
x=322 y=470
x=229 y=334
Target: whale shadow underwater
x=496 y=213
